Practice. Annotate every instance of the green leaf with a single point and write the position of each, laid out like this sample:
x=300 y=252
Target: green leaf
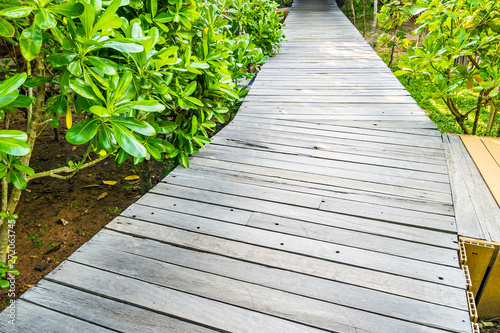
x=4 y=284
x=194 y=100
x=14 y=134
x=122 y=86
x=83 y=131
x=21 y=101
x=16 y=12
x=139 y=126
x=24 y=168
x=70 y=8
x=123 y=47
x=75 y=68
x=166 y=127
x=107 y=18
x=87 y=19
x=184 y=159
x=106 y=66
x=99 y=111
x=128 y=142
x=154 y=151
x=82 y=89
x=190 y=89
x=147 y=105
x=6 y=28
x=12 y=83
x=36 y=81
x=61 y=59
x=45 y=19
x=31 y=42
x=194 y=125
x=8 y=98
x=16 y=179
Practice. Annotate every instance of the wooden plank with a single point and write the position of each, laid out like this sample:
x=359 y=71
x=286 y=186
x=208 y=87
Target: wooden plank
x=94 y=308
x=481 y=202
x=380 y=175
x=465 y=215
x=280 y=145
x=284 y=209
x=290 y=170
x=320 y=189
x=381 y=281
x=299 y=245
x=31 y=318
x=313 y=312
x=169 y=301
x=345 y=295
x=493 y=146
x=485 y=163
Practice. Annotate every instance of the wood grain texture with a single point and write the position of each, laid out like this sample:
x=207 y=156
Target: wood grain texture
x=325 y=206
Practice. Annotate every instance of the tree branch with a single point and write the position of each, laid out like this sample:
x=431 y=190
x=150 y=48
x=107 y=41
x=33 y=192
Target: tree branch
x=67 y=169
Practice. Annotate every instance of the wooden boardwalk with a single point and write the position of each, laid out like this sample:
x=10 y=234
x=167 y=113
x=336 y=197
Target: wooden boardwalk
x=324 y=206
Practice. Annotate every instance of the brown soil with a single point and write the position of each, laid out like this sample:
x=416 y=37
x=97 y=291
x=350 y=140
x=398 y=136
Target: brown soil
x=42 y=241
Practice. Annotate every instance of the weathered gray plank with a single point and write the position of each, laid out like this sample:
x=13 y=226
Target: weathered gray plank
x=265 y=294
x=169 y=301
x=381 y=281
x=99 y=310
x=31 y=318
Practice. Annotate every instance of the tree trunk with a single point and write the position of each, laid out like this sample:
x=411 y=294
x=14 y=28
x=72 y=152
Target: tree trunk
x=478 y=113
x=491 y=120
x=145 y=176
x=374 y=25
x=351 y=4
x=364 y=18
x=393 y=47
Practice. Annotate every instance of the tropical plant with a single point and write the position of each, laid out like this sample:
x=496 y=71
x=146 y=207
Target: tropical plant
x=459 y=29
x=145 y=79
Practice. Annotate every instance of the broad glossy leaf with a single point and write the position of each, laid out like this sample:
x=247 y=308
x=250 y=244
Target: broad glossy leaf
x=16 y=179
x=87 y=19
x=75 y=68
x=13 y=146
x=148 y=105
x=12 y=83
x=139 y=126
x=183 y=158
x=106 y=66
x=24 y=168
x=123 y=46
x=83 y=89
x=14 y=134
x=16 y=12
x=8 y=98
x=21 y=101
x=36 y=81
x=99 y=111
x=69 y=8
x=166 y=127
x=105 y=139
x=83 y=131
x=61 y=105
x=122 y=86
x=45 y=19
x=31 y=42
x=6 y=28
x=108 y=18
x=190 y=89
x=61 y=59
x=128 y=142
x=154 y=151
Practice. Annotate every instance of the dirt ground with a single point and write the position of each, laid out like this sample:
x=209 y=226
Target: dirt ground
x=43 y=240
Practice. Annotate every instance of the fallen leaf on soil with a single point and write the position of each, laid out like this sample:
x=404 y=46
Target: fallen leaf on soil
x=28 y=285
x=91 y=185
x=64 y=222
x=109 y=182
x=102 y=195
x=487 y=323
x=73 y=148
x=133 y=177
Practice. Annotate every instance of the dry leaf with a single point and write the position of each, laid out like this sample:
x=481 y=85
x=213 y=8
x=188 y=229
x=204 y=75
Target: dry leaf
x=478 y=78
x=133 y=177
x=73 y=148
x=109 y=182
x=91 y=185
x=64 y=222
x=102 y=195
x=28 y=285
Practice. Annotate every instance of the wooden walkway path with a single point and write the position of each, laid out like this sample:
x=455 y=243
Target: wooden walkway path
x=324 y=206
